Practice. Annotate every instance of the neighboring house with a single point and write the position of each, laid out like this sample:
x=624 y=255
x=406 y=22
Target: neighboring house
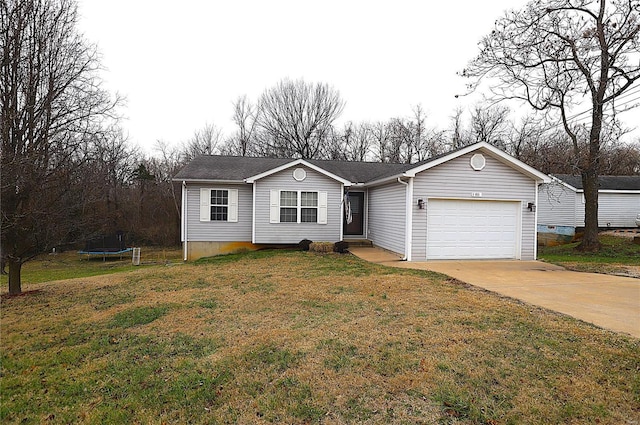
x=561 y=205
x=476 y=202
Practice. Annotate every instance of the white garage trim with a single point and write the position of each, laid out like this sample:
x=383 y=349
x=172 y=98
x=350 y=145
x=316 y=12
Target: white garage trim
x=473 y=229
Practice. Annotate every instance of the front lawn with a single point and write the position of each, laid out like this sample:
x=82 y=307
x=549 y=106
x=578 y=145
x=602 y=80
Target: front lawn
x=293 y=337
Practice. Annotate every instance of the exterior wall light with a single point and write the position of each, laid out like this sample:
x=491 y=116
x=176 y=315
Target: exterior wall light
x=421 y=204
x=531 y=207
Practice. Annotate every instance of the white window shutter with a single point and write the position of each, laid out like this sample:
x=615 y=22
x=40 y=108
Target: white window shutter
x=205 y=204
x=232 y=214
x=274 y=207
x=322 y=207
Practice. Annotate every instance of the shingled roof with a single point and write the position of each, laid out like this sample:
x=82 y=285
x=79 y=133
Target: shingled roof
x=604 y=182
x=238 y=168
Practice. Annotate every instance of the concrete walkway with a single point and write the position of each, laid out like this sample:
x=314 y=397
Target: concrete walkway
x=611 y=302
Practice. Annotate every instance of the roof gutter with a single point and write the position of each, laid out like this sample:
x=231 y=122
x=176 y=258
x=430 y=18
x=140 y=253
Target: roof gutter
x=208 y=181
x=395 y=177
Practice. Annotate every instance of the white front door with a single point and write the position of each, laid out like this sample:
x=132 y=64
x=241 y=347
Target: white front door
x=472 y=229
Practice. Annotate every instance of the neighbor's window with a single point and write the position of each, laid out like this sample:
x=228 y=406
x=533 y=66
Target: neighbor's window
x=219 y=205
x=308 y=207
x=288 y=206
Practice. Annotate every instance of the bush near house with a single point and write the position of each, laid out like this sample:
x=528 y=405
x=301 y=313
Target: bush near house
x=321 y=247
x=303 y=245
x=341 y=247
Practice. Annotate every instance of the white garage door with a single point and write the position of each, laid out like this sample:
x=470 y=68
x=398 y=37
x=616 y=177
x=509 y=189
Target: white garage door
x=458 y=229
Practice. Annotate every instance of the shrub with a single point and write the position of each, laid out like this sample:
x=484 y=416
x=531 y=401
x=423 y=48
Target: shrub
x=321 y=247
x=303 y=245
x=341 y=247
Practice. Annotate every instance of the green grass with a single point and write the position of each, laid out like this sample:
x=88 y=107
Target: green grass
x=614 y=249
x=616 y=254
x=332 y=339
x=70 y=265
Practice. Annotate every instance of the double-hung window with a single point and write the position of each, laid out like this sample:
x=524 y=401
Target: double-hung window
x=309 y=207
x=288 y=206
x=219 y=205
x=298 y=206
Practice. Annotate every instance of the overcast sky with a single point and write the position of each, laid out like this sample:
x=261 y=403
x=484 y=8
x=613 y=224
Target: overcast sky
x=182 y=64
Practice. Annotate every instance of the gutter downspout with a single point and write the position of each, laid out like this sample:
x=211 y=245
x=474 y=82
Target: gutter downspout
x=184 y=219
x=408 y=218
x=535 y=223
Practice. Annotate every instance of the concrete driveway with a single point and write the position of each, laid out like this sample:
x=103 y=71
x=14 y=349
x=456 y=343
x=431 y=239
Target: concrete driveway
x=611 y=302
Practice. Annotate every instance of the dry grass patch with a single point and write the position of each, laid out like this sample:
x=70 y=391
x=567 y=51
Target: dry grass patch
x=294 y=337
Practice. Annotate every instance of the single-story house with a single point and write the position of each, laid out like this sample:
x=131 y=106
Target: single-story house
x=473 y=203
x=561 y=205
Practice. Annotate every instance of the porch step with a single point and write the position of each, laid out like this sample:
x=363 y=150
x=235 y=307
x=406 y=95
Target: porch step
x=359 y=242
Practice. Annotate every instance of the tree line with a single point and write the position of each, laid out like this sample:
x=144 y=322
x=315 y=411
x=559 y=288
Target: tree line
x=411 y=138
x=69 y=172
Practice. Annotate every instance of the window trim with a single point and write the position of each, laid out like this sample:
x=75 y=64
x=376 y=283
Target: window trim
x=276 y=206
x=225 y=194
x=232 y=204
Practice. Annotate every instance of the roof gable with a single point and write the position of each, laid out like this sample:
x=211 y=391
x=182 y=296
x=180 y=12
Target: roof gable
x=297 y=162
x=486 y=148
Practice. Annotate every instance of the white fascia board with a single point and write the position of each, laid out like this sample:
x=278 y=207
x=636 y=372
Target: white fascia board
x=209 y=181
x=293 y=164
x=495 y=152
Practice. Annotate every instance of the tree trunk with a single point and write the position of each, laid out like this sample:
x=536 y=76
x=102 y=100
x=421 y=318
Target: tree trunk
x=15 y=284
x=590 y=242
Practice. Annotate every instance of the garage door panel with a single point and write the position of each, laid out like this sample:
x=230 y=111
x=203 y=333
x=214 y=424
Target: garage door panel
x=461 y=229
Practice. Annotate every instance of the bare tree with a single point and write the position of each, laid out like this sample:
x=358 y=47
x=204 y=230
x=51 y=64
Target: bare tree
x=359 y=143
x=296 y=116
x=526 y=133
x=424 y=142
x=203 y=142
x=380 y=135
x=459 y=135
x=51 y=101
x=621 y=159
x=490 y=124
x=245 y=116
x=558 y=56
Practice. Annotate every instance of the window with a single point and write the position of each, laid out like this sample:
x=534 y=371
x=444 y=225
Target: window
x=219 y=205
x=288 y=206
x=309 y=207
x=292 y=206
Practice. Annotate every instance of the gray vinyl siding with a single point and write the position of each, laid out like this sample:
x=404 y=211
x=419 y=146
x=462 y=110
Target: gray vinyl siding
x=557 y=205
x=289 y=233
x=456 y=179
x=614 y=209
x=561 y=206
x=387 y=216
x=205 y=231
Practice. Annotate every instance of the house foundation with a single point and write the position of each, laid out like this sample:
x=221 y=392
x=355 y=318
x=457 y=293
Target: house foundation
x=197 y=250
